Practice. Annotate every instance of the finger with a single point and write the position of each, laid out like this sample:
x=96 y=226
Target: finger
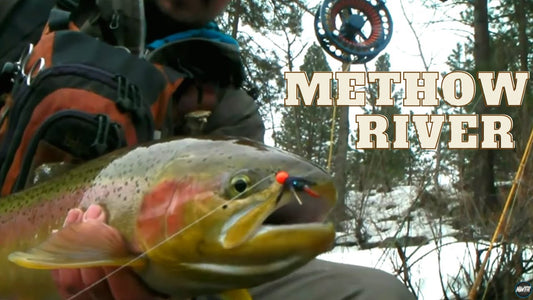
x=73 y=216
x=125 y=285
x=95 y=283
x=94 y=212
x=72 y=281
x=69 y=283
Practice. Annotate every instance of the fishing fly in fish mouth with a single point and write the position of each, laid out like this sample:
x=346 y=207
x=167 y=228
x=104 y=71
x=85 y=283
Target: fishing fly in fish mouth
x=191 y=216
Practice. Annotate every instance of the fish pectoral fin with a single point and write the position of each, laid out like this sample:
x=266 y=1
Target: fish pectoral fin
x=87 y=244
x=241 y=294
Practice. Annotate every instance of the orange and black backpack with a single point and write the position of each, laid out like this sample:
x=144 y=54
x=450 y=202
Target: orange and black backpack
x=75 y=95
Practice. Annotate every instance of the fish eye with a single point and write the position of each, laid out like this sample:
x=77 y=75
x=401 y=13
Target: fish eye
x=239 y=184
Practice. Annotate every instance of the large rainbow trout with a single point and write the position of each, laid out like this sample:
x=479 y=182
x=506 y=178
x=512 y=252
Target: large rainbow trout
x=195 y=216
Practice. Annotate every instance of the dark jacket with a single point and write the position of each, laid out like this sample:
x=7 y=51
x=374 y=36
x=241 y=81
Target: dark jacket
x=234 y=112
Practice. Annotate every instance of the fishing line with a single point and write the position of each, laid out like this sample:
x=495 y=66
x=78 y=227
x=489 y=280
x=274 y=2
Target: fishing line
x=167 y=239
x=296 y=196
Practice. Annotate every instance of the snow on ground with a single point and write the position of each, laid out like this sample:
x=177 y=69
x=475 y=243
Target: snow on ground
x=424 y=264
x=385 y=218
x=386 y=214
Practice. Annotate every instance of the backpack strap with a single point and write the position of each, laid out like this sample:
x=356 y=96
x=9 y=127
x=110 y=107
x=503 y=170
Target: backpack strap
x=117 y=22
x=61 y=14
x=126 y=21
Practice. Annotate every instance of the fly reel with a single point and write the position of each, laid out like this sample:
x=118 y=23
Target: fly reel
x=353 y=31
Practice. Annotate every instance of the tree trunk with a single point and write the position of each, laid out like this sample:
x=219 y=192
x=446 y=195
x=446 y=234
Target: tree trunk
x=236 y=17
x=520 y=12
x=339 y=162
x=523 y=45
x=438 y=159
x=484 y=189
x=482 y=51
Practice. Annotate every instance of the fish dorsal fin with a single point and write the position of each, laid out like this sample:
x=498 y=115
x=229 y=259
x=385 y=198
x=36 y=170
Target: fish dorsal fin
x=86 y=244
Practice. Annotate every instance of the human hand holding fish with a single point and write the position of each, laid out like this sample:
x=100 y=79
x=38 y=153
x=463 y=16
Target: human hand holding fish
x=123 y=284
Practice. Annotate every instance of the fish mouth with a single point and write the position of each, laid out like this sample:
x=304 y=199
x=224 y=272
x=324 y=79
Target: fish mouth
x=303 y=208
x=287 y=212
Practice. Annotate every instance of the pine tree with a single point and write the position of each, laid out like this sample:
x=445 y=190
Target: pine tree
x=499 y=44
x=306 y=129
x=382 y=168
x=258 y=26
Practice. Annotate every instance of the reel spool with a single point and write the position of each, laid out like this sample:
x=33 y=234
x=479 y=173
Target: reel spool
x=353 y=31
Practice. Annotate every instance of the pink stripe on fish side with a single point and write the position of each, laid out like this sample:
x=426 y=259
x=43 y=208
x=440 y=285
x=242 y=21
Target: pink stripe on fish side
x=161 y=213
x=151 y=219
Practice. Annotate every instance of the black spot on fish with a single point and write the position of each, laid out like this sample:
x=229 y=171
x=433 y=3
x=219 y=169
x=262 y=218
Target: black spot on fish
x=224 y=206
